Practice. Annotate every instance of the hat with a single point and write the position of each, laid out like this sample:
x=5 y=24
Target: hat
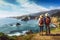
x=46 y=14
x=41 y=16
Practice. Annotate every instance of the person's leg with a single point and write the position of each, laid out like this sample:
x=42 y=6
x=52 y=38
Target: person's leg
x=46 y=30
x=42 y=29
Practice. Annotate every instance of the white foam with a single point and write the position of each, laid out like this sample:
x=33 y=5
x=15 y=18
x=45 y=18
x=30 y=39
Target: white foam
x=15 y=34
x=18 y=34
x=52 y=25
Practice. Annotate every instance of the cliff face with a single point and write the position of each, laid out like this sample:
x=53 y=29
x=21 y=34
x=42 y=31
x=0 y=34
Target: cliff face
x=55 y=12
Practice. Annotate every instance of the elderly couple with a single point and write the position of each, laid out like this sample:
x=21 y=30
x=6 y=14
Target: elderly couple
x=44 y=20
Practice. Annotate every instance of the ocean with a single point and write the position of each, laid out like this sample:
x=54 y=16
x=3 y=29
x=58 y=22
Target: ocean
x=8 y=26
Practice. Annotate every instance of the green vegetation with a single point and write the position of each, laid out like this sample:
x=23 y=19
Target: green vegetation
x=6 y=37
x=26 y=37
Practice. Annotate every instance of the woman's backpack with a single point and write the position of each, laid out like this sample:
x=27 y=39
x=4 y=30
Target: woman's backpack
x=47 y=20
x=41 y=21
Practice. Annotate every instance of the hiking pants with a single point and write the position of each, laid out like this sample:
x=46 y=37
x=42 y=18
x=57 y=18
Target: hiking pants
x=41 y=28
x=47 y=29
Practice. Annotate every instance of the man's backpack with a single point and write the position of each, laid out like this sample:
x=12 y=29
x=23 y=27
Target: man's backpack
x=47 y=20
x=41 y=21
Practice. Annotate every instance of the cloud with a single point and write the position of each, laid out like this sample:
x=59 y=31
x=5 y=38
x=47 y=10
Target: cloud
x=8 y=13
x=25 y=7
x=29 y=6
x=53 y=7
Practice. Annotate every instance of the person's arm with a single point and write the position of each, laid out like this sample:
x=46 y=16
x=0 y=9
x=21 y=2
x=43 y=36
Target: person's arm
x=44 y=19
x=50 y=19
x=38 y=21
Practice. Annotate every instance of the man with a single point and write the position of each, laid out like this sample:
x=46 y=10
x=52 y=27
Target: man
x=41 y=24
x=47 y=23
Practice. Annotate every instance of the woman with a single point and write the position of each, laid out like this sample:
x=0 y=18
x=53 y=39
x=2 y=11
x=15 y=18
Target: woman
x=47 y=23
x=41 y=23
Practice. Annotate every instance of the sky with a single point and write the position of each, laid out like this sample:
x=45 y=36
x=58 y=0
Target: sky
x=23 y=7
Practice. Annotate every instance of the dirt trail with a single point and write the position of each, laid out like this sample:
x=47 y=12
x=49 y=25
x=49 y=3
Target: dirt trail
x=44 y=37
x=55 y=35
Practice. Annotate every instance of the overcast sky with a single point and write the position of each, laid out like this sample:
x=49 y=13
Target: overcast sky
x=22 y=7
